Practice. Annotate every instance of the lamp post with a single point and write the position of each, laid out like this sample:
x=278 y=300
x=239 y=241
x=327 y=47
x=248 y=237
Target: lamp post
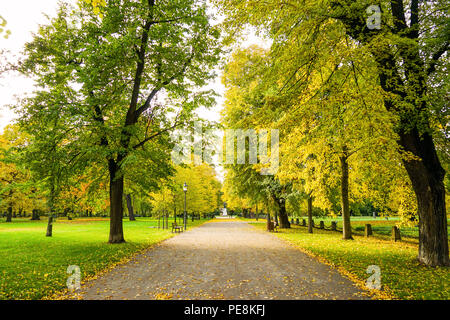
x=174 y=209
x=184 y=216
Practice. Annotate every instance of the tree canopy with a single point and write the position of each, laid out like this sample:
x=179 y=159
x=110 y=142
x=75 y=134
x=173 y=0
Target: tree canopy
x=344 y=85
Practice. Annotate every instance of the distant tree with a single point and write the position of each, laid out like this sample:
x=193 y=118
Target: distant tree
x=14 y=192
x=203 y=187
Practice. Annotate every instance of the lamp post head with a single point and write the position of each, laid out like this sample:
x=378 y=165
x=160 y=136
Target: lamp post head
x=185 y=187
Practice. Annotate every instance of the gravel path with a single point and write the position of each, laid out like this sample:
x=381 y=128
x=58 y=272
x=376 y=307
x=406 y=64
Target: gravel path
x=222 y=260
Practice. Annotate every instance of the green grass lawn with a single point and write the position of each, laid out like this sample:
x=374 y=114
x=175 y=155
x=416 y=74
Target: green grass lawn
x=33 y=266
x=401 y=275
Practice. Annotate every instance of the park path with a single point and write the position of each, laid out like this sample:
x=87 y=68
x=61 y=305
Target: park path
x=222 y=259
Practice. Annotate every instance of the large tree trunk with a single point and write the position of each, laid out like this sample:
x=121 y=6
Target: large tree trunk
x=310 y=220
x=427 y=173
x=9 y=215
x=284 y=219
x=347 y=229
x=130 y=208
x=427 y=177
x=116 y=205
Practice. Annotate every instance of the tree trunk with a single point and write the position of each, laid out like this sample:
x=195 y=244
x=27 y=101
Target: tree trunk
x=9 y=215
x=427 y=176
x=333 y=225
x=66 y=212
x=130 y=208
x=284 y=219
x=310 y=220
x=167 y=219
x=49 y=226
x=175 y=213
x=35 y=215
x=368 y=230
x=116 y=205
x=427 y=173
x=347 y=229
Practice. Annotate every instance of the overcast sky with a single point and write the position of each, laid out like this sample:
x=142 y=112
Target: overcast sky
x=23 y=18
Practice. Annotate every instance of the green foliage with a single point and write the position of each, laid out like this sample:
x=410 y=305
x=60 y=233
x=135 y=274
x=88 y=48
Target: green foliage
x=16 y=191
x=337 y=89
x=201 y=197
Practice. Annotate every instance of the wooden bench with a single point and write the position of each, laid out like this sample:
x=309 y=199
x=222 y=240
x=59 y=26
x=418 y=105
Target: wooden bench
x=177 y=228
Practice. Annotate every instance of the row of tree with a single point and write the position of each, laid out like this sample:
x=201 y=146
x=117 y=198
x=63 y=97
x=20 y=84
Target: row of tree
x=23 y=195
x=361 y=109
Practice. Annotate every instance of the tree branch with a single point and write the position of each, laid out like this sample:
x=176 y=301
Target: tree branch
x=398 y=15
x=140 y=144
x=153 y=93
x=414 y=27
x=435 y=57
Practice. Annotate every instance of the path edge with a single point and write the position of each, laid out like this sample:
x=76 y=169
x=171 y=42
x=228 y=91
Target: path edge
x=65 y=294
x=374 y=294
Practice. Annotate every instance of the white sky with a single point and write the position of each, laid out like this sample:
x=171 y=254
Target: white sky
x=23 y=18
